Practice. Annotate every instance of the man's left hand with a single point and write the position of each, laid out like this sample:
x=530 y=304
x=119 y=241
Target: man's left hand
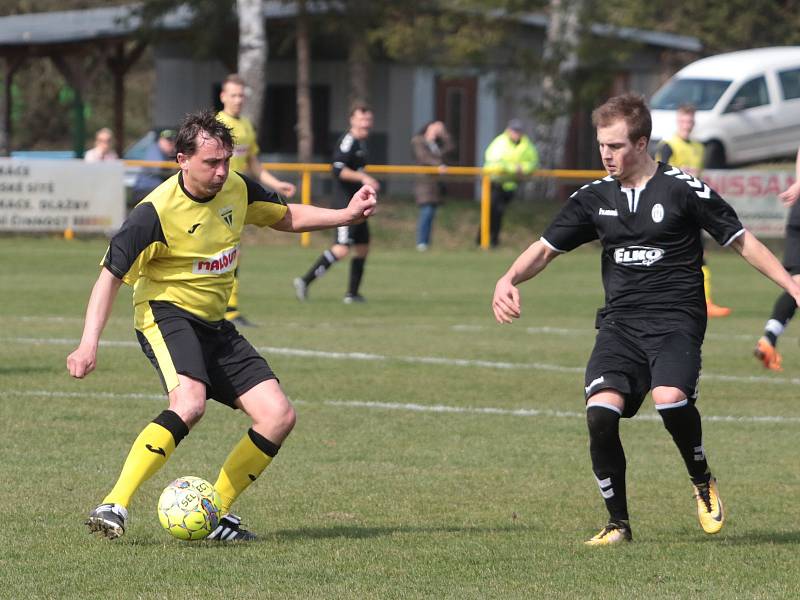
x=362 y=204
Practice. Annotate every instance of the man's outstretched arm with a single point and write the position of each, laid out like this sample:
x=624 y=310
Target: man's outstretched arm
x=759 y=256
x=83 y=359
x=506 y=303
x=306 y=217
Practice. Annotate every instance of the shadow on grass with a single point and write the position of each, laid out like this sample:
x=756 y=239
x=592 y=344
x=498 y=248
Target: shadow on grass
x=764 y=537
x=356 y=532
x=26 y=370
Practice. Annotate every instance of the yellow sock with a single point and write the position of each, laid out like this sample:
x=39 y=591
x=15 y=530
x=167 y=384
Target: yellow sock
x=707 y=283
x=244 y=464
x=148 y=454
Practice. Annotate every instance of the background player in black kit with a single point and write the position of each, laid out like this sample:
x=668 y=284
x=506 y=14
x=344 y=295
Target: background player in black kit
x=766 y=348
x=648 y=217
x=349 y=160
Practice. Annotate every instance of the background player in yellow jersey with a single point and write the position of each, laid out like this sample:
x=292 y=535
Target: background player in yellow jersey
x=244 y=160
x=682 y=152
x=179 y=248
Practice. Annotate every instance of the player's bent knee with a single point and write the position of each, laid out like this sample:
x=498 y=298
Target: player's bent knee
x=188 y=400
x=667 y=395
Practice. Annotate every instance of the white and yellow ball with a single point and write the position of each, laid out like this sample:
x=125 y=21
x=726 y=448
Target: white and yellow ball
x=189 y=508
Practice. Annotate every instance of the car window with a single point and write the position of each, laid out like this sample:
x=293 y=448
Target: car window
x=752 y=94
x=700 y=93
x=790 y=83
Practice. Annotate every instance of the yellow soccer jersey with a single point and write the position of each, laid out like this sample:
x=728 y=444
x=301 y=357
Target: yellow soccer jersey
x=244 y=141
x=684 y=154
x=177 y=249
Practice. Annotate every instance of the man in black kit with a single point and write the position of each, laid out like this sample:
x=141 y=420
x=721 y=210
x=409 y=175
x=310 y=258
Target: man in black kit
x=349 y=160
x=648 y=217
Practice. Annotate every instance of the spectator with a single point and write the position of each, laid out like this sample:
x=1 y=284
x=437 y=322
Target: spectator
x=513 y=154
x=430 y=146
x=161 y=150
x=103 y=147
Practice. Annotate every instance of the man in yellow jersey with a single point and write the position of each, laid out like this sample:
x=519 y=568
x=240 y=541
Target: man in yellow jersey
x=680 y=151
x=178 y=248
x=244 y=160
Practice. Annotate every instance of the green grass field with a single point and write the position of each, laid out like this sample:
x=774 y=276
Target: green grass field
x=436 y=455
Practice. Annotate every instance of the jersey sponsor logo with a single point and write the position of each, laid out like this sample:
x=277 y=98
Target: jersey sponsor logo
x=218 y=264
x=700 y=188
x=606 y=212
x=194 y=228
x=657 y=213
x=227 y=215
x=637 y=256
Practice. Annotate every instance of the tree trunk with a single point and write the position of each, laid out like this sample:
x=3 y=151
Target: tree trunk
x=305 y=133
x=252 y=56
x=358 y=66
x=560 y=62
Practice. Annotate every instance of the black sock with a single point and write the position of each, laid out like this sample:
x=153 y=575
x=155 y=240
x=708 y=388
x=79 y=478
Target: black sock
x=682 y=420
x=608 y=459
x=782 y=313
x=356 y=272
x=322 y=264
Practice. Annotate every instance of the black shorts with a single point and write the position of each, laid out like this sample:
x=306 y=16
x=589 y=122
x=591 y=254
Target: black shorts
x=791 y=251
x=214 y=353
x=634 y=357
x=348 y=235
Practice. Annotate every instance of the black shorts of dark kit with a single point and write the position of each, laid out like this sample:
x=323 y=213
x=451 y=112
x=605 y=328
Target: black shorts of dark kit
x=214 y=353
x=348 y=235
x=635 y=355
x=791 y=251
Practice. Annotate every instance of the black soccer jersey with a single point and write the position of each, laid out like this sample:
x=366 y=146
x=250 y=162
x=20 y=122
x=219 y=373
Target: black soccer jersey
x=350 y=153
x=651 y=239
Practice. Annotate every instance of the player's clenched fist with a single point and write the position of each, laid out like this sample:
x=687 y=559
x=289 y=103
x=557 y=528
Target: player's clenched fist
x=81 y=362
x=363 y=202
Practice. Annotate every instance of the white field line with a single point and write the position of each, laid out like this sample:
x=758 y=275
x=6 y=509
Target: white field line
x=429 y=360
x=567 y=332
x=422 y=408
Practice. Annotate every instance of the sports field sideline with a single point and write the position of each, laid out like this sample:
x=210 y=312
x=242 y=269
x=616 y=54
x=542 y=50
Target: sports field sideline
x=436 y=455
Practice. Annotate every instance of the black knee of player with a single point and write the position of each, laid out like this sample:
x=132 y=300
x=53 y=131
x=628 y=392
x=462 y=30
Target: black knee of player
x=603 y=424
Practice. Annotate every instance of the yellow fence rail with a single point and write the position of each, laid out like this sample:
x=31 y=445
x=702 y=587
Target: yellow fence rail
x=306 y=169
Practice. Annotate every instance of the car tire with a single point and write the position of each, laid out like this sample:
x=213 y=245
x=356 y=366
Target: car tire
x=715 y=155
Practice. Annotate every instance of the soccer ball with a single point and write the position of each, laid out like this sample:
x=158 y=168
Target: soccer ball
x=189 y=508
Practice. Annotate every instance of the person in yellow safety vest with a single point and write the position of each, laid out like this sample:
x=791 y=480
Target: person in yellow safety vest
x=515 y=156
x=682 y=152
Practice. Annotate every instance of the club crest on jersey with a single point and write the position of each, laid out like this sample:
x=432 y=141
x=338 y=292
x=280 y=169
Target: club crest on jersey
x=227 y=215
x=643 y=256
x=218 y=264
x=657 y=213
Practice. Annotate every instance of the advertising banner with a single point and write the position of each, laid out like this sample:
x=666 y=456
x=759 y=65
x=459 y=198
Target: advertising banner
x=754 y=195
x=55 y=195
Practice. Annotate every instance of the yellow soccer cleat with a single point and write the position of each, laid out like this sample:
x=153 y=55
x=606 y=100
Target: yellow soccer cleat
x=614 y=533
x=709 y=506
x=768 y=355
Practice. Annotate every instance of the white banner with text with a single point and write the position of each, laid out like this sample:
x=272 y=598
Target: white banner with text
x=55 y=195
x=754 y=196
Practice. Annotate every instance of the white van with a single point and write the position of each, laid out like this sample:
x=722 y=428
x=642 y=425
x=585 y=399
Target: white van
x=748 y=104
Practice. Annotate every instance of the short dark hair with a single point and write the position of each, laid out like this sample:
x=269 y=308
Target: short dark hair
x=359 y=106
x=204 y=121
x=630 y=107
